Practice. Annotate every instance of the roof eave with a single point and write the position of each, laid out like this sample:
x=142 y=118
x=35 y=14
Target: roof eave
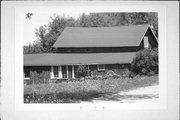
x=154 y=35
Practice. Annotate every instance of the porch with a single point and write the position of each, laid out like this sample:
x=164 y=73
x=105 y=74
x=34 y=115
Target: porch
x=64 y=66
x=70 y=71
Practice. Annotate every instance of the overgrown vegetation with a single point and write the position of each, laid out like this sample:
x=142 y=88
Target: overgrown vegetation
x=145 y=62
x=73 y=92
x=39 y=78
x=81 y=71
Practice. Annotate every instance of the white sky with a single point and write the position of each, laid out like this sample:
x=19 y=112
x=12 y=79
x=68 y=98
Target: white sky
x=42 y=16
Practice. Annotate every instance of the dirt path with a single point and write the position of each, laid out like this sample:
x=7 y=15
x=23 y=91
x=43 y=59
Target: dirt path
x=146 y=94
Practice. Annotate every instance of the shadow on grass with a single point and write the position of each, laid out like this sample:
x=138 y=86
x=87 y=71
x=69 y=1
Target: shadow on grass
x=82 y=96
x=64 y=97
x=116 y=97
x=89 y=90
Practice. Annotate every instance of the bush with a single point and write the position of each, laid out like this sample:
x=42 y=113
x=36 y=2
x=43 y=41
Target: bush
x=145 y=62
x=126 y=73
x=37 y=78
x=81 y=71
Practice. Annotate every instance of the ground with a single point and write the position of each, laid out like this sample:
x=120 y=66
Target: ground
x=145 y=94
x=111 y=89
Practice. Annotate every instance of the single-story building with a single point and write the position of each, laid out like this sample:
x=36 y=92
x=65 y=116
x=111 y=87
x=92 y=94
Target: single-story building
x=99 y=48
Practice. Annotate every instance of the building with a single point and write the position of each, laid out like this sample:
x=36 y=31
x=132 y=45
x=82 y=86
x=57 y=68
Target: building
x=99 y=48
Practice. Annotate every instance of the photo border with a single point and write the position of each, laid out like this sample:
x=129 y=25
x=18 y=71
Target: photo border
x=11 y=109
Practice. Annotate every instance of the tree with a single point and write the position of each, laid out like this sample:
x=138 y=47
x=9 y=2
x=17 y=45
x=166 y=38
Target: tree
x=33 y=48
x=145 y=62
x=29 y=15
x=48 y=34
x=83 y=21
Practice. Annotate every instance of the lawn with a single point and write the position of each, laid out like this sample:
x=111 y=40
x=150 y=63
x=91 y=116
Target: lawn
x=77 y=91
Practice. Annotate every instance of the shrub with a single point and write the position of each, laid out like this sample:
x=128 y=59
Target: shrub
x=98 y=73
x=81 y=71
x=145 y=62
x=38 y=78
x=125 y=73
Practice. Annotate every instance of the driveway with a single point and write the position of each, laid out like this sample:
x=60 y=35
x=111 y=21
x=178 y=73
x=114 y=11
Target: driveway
x=146 y=94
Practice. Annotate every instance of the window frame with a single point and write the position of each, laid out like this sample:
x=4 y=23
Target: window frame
x=146 y=45
x=54 y=72
x=66 y=70
x=99 y=67
x=25 y=74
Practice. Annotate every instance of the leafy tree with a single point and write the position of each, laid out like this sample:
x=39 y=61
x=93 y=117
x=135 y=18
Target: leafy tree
x=83 y=21
x=33 y=48
x=145 y=62
x=48 y=34
x=29 y=15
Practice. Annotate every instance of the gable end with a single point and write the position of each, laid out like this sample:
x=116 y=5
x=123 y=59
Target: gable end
x=152 y=39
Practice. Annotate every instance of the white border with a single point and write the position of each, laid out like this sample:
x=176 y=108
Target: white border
x=162 y=104
x=8 y=111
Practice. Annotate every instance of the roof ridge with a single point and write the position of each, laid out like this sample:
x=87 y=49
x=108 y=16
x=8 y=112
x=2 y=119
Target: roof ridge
x=110 y=26
x=79 y=53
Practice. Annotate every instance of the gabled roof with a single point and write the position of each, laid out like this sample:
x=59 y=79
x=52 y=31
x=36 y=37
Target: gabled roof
x=101 y=36
x=77 y=59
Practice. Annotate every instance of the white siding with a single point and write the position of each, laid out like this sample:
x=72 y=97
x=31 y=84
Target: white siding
x=60 y=71
x=146 y=42
x=52 y=74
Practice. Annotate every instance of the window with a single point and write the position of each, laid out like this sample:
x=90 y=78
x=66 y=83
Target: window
x=55 y=71
x=101 y=67
x=26 y=73
x=64 y=71
x=146 y=42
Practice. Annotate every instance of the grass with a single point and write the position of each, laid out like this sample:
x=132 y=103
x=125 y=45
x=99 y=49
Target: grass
x=75 y=92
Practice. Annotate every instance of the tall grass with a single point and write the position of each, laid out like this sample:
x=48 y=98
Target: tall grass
x=82 y=90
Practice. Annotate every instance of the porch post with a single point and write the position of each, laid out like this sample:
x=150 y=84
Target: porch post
x=52 y=75
x=88 y=71
x=60 y=71
x=73 y=71
x=67 y=70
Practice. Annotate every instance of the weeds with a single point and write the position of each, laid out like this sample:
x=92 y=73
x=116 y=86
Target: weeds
x=87 y=90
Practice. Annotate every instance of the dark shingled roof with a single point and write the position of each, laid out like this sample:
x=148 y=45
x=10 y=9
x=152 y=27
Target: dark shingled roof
x=76 y=59
x=101 y=36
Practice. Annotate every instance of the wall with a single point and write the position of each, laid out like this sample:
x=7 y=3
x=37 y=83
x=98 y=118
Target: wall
x=96 y=49
x=117 y=68
x=38 y=69
x=152 y=39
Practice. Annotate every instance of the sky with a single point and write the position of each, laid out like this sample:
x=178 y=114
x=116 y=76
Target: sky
x=42 y=17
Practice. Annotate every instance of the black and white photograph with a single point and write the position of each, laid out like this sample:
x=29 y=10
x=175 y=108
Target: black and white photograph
x=91 y=57
x=89 y=60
